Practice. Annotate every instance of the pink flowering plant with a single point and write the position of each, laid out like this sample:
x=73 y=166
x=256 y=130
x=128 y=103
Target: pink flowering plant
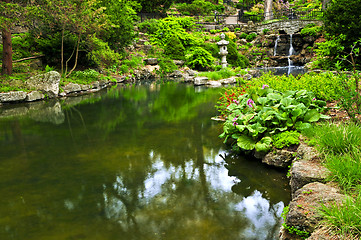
x=256 y=116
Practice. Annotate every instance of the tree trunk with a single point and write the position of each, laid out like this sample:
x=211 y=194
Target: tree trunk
x=7 y=60
x=268 y=14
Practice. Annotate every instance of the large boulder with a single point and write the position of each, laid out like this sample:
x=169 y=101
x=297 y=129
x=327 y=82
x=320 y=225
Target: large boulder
x=303 y=210
x=200 y=81
x=279 y=158
x=47 y=83
x=72 y=88
x=15 y=96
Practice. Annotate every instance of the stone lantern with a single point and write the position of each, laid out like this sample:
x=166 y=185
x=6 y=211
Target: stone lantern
x=223 y=50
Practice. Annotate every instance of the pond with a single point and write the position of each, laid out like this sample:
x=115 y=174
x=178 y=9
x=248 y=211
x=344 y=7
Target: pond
x=131 y=162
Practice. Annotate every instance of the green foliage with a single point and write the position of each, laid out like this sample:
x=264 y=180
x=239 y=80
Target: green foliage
x=100 y=52
x=243 y=35
x=311 y=30
x=23 y=46
x=174 y=48
x=155 y=5
x=175 y=26
x=133 y=61
x=217 y=75
x=234 y=57
x=122 y=17
x=167 y=66
x=343 y=17
x=265 y=31
x=199 y=58
x=228 y=96
x=198 y=7
x=212 y=48
x=149 y=26
x=286 y=139
x=250 y=37
x=336 y=139
x=325 y=86
x=48 y=69
x=344 y=219
x=85 y=77
x=261 y=113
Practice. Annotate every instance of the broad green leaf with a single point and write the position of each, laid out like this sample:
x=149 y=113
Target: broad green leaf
x=240 y=127
x=274 y=96
x=264 y=144
x=286 y=101
x=246 y=142
x=262 y=100
x=282 y=129
x=300 y=126
x=296 y=112
x=312 y=116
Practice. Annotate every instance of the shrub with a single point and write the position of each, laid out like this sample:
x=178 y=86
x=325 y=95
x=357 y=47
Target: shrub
x=257 y=115
x=149 y=26
x=311 y=30
x=166 y=66
x=243 y=35
x=212 y=48
x=251 y=37
x=174 y=48
x=100 y=52
x=286 y=139
x=325 y=86
x=234 y=58
x=199 y=58
x=217 y=75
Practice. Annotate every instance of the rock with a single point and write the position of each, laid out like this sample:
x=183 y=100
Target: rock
x=96 y=85
x=191 y=72
x=14 y=96
x=119 y=79
x=178 y=62
x=51 y=112
x=71 y=88
x=279 y=158
x=187 y=78
x=200 y=81
x=151 y=61
x=47 y=83
x=323 y=234
x=303 y=212
x=85 y=87
x=247 y=76
x=143 y=74
x=214 y=83
x=34 y=96
x=176 y=74
x=230 y=80
x=304 y=172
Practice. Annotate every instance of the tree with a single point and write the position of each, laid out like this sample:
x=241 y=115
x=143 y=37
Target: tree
x=268 y=15
x=122 y=15
x=80 y=18
x=8 y=18
x=343 y=17
x=155 y=5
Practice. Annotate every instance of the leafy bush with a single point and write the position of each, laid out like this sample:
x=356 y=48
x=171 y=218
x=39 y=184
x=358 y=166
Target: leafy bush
x=235 y=58
x=286 y=139
x=197 y=7
x=311 y=30
x=174 y=48
x=217 y=75
x=149 y=26
x=84 y=77
x=199 y=58
x=100 y=52
x=250 y=37
x=325 y=86
x=256 y=116
x=23 y=45
x=212 y=48
x=243 y=35
x=166 y=65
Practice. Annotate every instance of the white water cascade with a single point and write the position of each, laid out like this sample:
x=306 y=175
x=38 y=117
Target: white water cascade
x=276 y=43
x=290 y=53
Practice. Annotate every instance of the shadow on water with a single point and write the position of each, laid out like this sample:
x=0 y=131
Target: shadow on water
x=140 y=162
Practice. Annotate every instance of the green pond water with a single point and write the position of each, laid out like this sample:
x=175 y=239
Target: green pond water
x=140 y=162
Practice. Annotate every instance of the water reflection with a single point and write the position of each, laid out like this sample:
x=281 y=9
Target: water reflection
x=133 y=163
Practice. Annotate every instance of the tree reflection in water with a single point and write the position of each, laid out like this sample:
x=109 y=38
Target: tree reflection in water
x=135 y=163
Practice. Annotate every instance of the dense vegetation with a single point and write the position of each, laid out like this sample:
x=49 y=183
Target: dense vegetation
x=270 y=111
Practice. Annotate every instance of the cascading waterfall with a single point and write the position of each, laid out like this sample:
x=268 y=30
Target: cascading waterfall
x=290 y=53
x=276 y=42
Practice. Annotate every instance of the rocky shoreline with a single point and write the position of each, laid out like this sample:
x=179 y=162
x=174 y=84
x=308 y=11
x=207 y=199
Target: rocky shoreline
x=310 y=190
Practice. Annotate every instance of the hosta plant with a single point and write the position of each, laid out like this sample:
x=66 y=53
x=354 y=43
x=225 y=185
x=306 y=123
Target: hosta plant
x=255 y=117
